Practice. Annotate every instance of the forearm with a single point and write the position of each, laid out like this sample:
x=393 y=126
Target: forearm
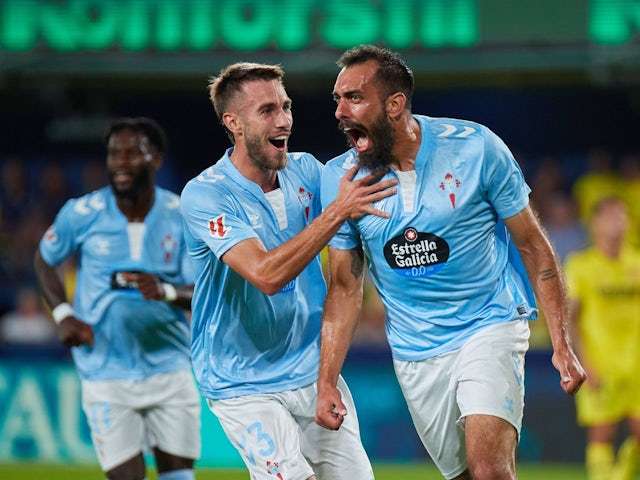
x=338 y=326
x=341 y=311
x=546 y=279
x=271 y=270
x=50 y=282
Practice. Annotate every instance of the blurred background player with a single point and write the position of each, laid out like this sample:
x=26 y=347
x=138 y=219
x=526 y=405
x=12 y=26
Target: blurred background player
x=127 y=327
x=604 y=291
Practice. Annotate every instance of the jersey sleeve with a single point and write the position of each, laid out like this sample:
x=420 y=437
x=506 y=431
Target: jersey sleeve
x=212 y=216
x=503 y=179
x=347 y=237
x=60 y=240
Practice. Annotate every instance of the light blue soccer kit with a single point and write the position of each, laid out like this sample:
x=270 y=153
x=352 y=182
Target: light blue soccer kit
x=135 y=340
x=246 y=343
x=443 y=264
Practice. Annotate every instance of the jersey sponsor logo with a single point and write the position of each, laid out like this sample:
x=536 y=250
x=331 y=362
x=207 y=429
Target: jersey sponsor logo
x=449 y=184
x=217 y=227
x=304 y=198
x=416 y=254
x=288 y=287
x=453 y=131
x=120 y=281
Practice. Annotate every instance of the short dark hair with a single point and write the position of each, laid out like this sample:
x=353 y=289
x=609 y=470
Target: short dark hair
x=147 y=126
x=393 y=74
x=229 y=82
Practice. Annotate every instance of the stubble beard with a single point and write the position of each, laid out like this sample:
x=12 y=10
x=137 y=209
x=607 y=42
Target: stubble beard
x=260 y=159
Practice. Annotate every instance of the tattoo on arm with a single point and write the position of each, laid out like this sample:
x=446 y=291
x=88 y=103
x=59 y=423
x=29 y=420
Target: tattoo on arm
x=357 y=262
x=547 y=274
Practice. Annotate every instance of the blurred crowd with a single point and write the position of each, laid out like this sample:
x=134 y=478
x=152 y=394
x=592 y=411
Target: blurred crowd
x=564 y=189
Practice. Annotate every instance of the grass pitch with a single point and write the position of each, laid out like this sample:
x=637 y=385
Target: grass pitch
x=382 y=472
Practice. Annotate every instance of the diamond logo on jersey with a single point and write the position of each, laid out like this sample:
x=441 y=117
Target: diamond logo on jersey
x=304 y=198
x=217 y=227
x=449 y=185
x=416 y=254
x=168 y=245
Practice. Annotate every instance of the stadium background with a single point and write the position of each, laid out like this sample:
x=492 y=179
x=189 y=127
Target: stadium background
x=556 y=80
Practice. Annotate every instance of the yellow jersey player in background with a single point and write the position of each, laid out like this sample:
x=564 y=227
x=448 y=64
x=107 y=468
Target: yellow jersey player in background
x=603 y=284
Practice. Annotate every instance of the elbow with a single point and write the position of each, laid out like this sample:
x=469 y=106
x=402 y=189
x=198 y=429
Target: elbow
x=272 y=284
x=270 y=288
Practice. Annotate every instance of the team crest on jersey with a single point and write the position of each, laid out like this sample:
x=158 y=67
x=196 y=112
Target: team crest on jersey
x=416 y=254
x=273 y=468
x=50 y=235
x=304 y=198
x=218 y=228
x=449 y=185
x=168 y=245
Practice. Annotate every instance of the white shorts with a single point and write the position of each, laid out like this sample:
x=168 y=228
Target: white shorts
x=277 y=436
x=126 y=417
x=485 y=376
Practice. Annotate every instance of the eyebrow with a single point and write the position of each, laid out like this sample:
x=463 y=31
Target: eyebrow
x=348 y=93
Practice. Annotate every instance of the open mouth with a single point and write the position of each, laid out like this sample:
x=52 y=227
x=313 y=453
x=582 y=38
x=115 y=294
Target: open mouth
x=279 y=142
x=121 y=176
x=359 y=139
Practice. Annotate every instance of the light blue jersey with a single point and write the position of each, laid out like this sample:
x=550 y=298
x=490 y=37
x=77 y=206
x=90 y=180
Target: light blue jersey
x=244 y=341
x=134 y=338
x=443 y=263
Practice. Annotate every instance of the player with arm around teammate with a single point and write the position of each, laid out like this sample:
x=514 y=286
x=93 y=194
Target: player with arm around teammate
x=449 y=272
x=254 y=231
x=127 y=327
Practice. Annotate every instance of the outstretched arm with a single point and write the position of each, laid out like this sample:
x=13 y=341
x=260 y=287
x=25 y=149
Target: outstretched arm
x=341 y=312
x=271 y=270
x=71 y=331
x=545 y=276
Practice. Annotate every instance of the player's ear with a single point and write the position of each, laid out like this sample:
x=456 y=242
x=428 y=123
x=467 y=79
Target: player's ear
x=394 y=105
x=232 y=122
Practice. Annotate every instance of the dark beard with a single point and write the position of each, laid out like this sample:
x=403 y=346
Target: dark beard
x=381 y=136
x=141 y=182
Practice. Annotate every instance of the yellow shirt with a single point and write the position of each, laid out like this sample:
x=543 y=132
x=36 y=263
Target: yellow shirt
x=609 y=294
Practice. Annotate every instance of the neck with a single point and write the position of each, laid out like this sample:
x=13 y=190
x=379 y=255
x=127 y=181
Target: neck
x=136 y=208
x=610 y=247
x=266 y=179
x=408 y=138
